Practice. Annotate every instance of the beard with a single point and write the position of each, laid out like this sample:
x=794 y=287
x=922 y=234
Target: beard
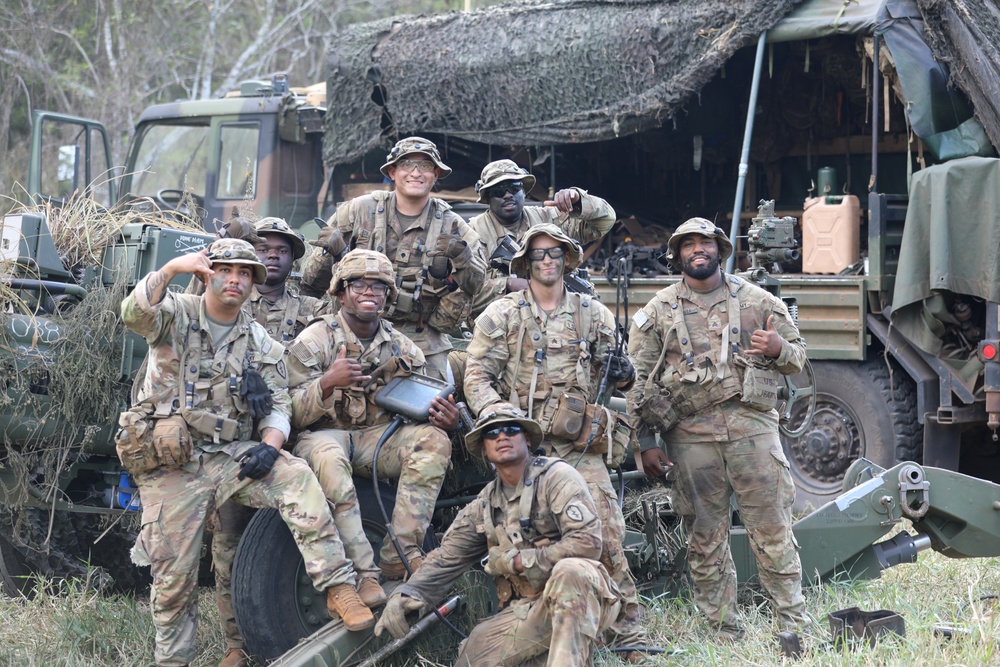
x=702 y=272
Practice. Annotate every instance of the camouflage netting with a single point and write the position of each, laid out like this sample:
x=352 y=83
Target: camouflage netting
x=965 y=34
x=530 y=74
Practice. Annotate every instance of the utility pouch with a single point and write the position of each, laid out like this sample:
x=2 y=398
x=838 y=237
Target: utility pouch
x=657 y=410
x=211 y=426
x=134 y=441
x=599 y=443
x=622 y=435
x=569 y=416
x=172 y=441
x=760 y=388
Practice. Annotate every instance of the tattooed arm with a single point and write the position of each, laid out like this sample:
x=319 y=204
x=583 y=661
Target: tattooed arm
x=195 y=262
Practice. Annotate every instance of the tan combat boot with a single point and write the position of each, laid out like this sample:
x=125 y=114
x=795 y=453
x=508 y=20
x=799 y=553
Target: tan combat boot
x=343 y=602
x=234 y=657
x=396 y=569
x=371 y=592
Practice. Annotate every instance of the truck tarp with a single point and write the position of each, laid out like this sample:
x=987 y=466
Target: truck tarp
x=951 y=243
x=530 y=73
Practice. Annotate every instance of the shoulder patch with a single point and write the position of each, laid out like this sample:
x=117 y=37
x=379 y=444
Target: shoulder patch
x=488 y=326
x=574 y=512
x=304 y=351
x=640 y=318
x=272 y=352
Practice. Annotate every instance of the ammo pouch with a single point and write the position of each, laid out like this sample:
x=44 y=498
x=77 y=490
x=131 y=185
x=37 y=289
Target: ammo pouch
x=570 y=416
x=210 y=426
x=613 y=438
x=172 y=441
x=760 y=387
x=657 y=409
x=134 y=441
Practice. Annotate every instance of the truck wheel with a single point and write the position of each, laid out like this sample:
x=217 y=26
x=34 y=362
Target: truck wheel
x=16 y=576
x=860 y=412
x=273 y=597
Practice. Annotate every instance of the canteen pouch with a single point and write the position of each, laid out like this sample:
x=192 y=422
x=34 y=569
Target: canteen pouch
x=657 y=410
x=569 y=417
x=760 y=388
x=134 y=441
x=172 y=441
x=209 y=426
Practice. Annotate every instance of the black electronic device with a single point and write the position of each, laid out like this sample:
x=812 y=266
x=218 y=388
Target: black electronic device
x=410 y=396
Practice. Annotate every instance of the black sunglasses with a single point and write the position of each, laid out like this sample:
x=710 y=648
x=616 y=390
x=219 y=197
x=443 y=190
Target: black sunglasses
x=513 y=188
x=506 y=429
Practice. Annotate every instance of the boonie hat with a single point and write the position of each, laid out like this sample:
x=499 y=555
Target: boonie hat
x=501 y=413
x=272 y=225
x=411 y=145
x=697 y=226
x=574 y=253
x=237 y=251
x=498 y=172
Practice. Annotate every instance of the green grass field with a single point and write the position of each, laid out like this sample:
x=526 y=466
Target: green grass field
x=74 y=628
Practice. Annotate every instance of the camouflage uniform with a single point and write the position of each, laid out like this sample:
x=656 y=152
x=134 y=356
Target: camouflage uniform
x=570 y=341
x=719 y=445
x=554 y=611
x=595 y=218
x=179 y=501
x=345 y=428
x=426 y=309
x=285 y=318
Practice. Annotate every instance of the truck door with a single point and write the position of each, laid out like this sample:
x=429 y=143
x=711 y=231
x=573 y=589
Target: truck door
x=69 y=155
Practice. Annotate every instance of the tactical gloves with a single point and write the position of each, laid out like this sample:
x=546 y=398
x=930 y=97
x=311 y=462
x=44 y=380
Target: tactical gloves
x=256 y=393
x=500 y=561
x=331 y=241
x=620 y=369
x=257 y=463
x=449 y=253
x=239 y=228
x=393 y=616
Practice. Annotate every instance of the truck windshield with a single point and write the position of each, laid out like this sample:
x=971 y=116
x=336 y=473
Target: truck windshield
x=172 y=157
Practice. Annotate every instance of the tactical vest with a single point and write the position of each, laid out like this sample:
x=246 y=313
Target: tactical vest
x=701 y=380
x=211 y=405
x=417 y=294
x=542 y=398
x=524 y=536
x=285 y=329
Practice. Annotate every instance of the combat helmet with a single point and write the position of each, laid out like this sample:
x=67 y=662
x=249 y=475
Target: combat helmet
x=364 y=264
x=237 y=251
x=697 y=226
x=574 y=253
x=501 y=413
x=412 y=145
x=498 y=172
x=272 y=225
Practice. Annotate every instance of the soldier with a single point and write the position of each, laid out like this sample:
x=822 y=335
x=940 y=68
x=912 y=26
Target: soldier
x=536 y=529
x=210 y=422
x=284 y=314
x=706 y=381
x=434 y=252
x=544 y=349
x=336 y=367
x=282 y=311
x=502 y=186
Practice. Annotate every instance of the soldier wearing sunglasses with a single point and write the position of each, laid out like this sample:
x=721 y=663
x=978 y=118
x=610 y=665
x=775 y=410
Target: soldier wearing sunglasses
x=503 y=186
x=536 y=531
x=544 y=350
x=436 y=255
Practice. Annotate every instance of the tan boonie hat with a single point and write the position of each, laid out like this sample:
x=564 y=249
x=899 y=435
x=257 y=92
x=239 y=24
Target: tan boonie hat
x=697 y=226
x=574 y=253
x=279 y=226
x=498 y=172
x=411 y=145
x=364 y=264
x=501 y=413
x=237 y=251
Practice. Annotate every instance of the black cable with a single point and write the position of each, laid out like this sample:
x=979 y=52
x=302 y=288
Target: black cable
x=393 y=427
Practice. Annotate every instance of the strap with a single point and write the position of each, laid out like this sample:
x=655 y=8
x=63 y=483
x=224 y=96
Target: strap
x=732 y=330
x=286 y=328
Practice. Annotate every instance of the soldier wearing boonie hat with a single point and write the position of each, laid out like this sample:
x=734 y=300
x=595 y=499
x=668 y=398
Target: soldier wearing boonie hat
x=497 y=415
x=237 y=251
x=503 y=186
x=435 y=253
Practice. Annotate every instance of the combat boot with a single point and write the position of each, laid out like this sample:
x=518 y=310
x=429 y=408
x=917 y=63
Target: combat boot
x=234 y=657
x=371 y=592
x=343 y=602
x=396 y=569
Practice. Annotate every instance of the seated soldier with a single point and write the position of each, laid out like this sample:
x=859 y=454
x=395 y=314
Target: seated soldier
x=536 y=528
x=336 y=366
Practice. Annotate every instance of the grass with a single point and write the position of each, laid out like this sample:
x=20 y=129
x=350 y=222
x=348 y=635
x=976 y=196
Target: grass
x=69 y=626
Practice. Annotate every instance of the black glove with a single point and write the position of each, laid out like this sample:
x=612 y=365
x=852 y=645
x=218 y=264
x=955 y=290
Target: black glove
x=620 y=369
x=257 y=463
x=449 y=252
x=331 y=241
x=256 y=393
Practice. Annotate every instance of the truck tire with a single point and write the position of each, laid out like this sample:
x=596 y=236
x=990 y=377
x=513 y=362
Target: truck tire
x=861 y=411
x=273 y=598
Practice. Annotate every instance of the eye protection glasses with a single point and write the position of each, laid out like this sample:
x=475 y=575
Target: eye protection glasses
x=512 y=187
x=361 y=286
x=538 y=254
x=506 y=429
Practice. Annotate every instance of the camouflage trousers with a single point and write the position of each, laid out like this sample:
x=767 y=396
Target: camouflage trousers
x=176 y=504
x=231 y=521
x=628 y=628
x=434 y=344
x=559 y=628
x=756 y=469
x=416 y=454
x=329 y=461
